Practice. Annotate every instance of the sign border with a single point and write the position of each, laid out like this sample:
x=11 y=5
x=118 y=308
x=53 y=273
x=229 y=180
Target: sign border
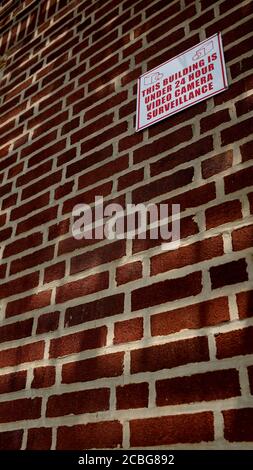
x=224 y=77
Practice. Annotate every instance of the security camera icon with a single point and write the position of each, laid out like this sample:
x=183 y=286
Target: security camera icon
x=203 y=51
x=153 y=78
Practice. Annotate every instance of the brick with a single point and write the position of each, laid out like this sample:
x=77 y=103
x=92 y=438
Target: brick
x=43 y=377
x=11 y=440
x=242 y=238
x=158 y=46
x=42 y=184
x=250 y=372
x=42 y=142
x=170 y=355
x=244 y=106
x=54 y=272
x=128 y=272
x=57 y=230
x=108 y=365
x=132 y=396
x=24 y=209
x=246 y=151
x=163 y=144
x=77 y=342
x=87 y=197
x=186 y=154
x=217 y=164
x=34 y=173
x=128 y=330
x=103 y=172
x=130 y=179
x=164 y=185
x=21 y=354
x=245 y=304
x=48 y=152
x=235 y=433
x=37 y=220
x=19 y=285
x=82 y=287
x=236 y=181
x=228 y=273
x=89 y=160
x=201 y=315
x=234 y=343
x=101 y=308
x=175 y=429
x=26 y=304
x=19 y=410
x=166 y=13
x=23 y=244
x=37 y=258
x=166 y=291
x=5 y=234
x=216 y=385
x=214 y=120
x=13 y=382
x=48 y=322
x=244 y=65
x=75 y=403
x=188 y=255
x=228 y=20
x=223 y=214
x=39 y=439
x=237 y=132
x=99 y=256
x=15 y=331
x=105 y=434
x=91 y=128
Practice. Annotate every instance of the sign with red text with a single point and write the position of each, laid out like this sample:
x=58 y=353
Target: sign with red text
x=188 y=78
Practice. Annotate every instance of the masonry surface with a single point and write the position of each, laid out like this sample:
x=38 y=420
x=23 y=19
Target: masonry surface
x=119 y=344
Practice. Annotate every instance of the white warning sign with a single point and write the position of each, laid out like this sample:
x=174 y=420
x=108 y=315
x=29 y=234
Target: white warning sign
x=188 y=78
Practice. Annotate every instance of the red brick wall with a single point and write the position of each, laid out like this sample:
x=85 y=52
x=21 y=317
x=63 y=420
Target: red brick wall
x=120 y=344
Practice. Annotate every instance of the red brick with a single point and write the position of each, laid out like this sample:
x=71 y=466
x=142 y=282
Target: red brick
x=34 y=173
x=42 y=184
x=175 y=429
x=217 y=164
x=244 y=106
x=202 y=315
x=245 y=304
x=238 y=433
x=191 y=254
x=95 y=126
x=37 y=258
x=70 y=125
x=132 y=396
x=244 y=65
x=128 y=330
x=163 y=144
x=75 y=403
x=54 y=272
x=216 y=385
x=63 y=190
x=104 y=254
x=19 y=285
x=167 y=356
x=19 y=410
x=103 y=172
x=3 y=269
x=202 y=19
x=5 y=234
x=48 y=322
x=105 y=434
x=11 y=440
x=48 y=152
x=131 y=178
x=94 y=98
x=158 y=46
x=43 y=377
x=89 y=160
x=229 y=273
x=237 y=131
x=228 y=20
x=108 y=365
x=15 y=331
x=242 y=238
x=12 y=382
x=57 y=230
x=77 y=342
x=128 y=272
x=164 y=14
x=101 y=308
x=37 y=220
x=223 y=213
x=239 y=180
x=21 y=354
x=246 y=151
x=38 y=144
x=250 y=372
x=82 y=287
x=166 y=291
x=24 y=209
x=87 y=197
x=182 y=46
x=214 y=120
x=164 y=185
x=22 y=244
x=186 y=154
x=39 y=439
x=234 y=343
x=26 y=304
